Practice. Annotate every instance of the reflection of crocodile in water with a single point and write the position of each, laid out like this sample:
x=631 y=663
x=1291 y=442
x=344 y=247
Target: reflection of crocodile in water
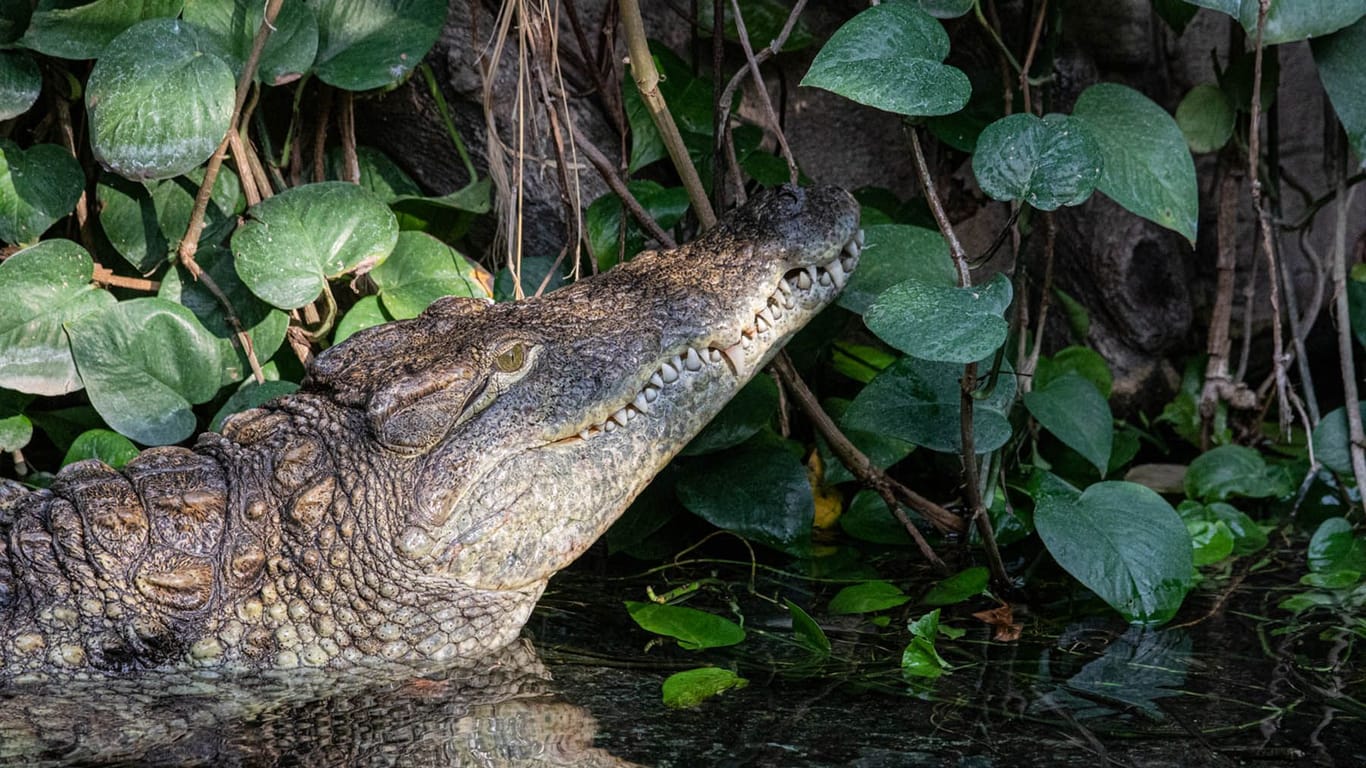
x=409 y=503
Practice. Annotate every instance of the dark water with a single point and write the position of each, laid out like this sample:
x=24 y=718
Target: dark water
x=1246 y=686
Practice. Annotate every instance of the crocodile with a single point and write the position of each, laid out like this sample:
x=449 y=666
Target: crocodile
x=409 y=502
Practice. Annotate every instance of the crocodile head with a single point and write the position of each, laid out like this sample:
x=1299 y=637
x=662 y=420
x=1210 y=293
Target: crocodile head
x=522 y=430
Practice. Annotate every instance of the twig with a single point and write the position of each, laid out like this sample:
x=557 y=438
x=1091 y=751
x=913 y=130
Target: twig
x=104 y=276
x=346 y=127
x=1218 y=386
x=647 y=82
x=604 y=168
x=1356 y=436
x=762 y=89
x=1030 y=362
x=1029 y=57
x=320 y=132
x=863 y=468
x=969 y=382
x=566 y=166
x=718 y=60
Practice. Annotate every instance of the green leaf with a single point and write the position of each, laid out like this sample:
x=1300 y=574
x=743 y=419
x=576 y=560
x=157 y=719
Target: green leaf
x=15 y=432
x=881 y=450
x=365 y=313
x=868 y=519
x=686 y=689
x=748 y=412
x=1048 y=162
x=920 y=659
x=604 y=217
x=758 y=490
x=946 y=9
x=890 y=57
x=1356 y=305
x=1342 y=69
x=1076 y=413
x=159 y=101
x=1123 y=542
x=1206 y=118
x=145 y=221
x=693 y=629
x=1211 y=541
x=1248 y=536
x=939 y=324
x=808 y=632
x=70 y=30
x=144 y=362
x=1147 y=167
x=868 y=597
x=41 y=288
x=1236 y=80
x=1332 y=442
x=14 y=19
x=764 y=19
x=382 y=176
x=1332 y=580
x=20 y=83
x=293 y=242
x=232 y=25
x=1230 y=470
x=251 y=395
x=918 y=401
x=896 y=253
x=365 y=44
x=38 y=186
x=109 y=447
x=421 y=270
x=1082 y=361
x=1292 y=20
x=1334 y=547
x=961 y=586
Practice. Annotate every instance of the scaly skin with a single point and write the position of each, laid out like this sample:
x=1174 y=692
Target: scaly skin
x=409 y=503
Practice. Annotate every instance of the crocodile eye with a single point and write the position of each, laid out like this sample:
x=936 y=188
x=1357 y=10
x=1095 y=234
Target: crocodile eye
x=511 y=359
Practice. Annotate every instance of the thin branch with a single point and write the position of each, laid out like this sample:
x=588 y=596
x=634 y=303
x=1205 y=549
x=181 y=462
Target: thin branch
x=1356 y=435
x=1029 y=56
x=647 y=82
x=605 y=170
x=762 y=89
x=104 y=276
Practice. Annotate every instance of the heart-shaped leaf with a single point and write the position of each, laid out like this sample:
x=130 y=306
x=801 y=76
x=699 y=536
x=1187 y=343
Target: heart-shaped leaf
x=891 y=57
x=159 y=101
x=895 y=253
x=364 y=44
x=1206 y=118
x=942 y=324
x=146 y=221
x=1047 y=162
x=693 y=629
x=38 y=186
x=1123 y=542
x=1288 y=21
x=1342 y=68
x=232 y=26
x=691 y=687
x=41 y=288
x=421 y=270
x=73 y=30
x=20 y=83
x=144 y=362
x=293 y=242
x=1147 y=166
x=1075 y=412
x=758 y=490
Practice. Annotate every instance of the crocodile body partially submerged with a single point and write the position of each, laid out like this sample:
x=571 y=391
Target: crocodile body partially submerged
x=408 y=504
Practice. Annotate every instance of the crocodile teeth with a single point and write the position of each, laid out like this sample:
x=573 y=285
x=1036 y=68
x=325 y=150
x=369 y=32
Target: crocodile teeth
x=609 y=425
x=713 y=355
x=784 y=287
x=668 y=374
x=837 y=274
x=651 y=393
x=642 y=402
x=804 y=281
x=825 y=278
x=775 y=309
x=858 y=238
x=586 y=433
x=734 y=355
x=762 y=323
x=692 y=361
x=656 y=381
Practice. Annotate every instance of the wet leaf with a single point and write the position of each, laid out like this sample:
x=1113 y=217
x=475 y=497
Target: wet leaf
x=1047 y=162
x=365 y=44
x=868 y=597
x=15 y=432
x=1248 y=536
x=918 y=402
x=107 y=446
x=764 y=19
x=691 y=687
x=605 y=215
x=868 y=519
x=1335 y=547
x=890 y=57
x=421 y=270
x=1147 y=166
x=962 y=586
x=1123 y=542
x=159 y=101
x=941 y=324
x=920 y=659
x=145 y=221
x=693 y=629
x=1332 y=441
x=896 y=253
x=808 y=632
x=380 y=175
x=946 y=9
x=1290 y=21
x=1082 y=361
x=1227 y=471
x=81 y=31
x=1206 y=118
x=1073 y=410
x=1342 y=69
x=20 y=83
x=144 y=363
x=293 y=242
x=748 y=412
x=1211 y=542
x=38 y=186
x=757 y=490
x=41 y=288
x=232 y=25
x=881 y=450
